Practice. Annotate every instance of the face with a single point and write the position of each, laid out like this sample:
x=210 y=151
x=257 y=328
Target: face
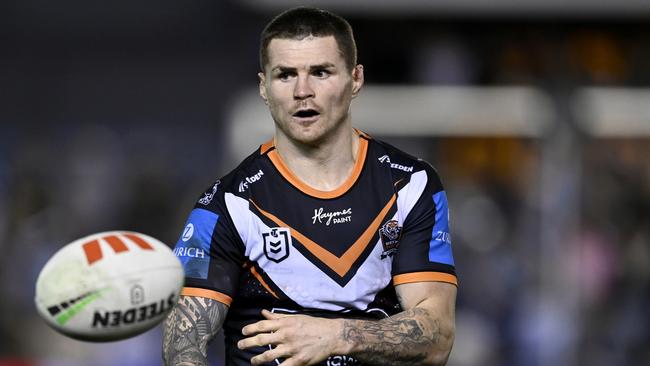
x=308 y=89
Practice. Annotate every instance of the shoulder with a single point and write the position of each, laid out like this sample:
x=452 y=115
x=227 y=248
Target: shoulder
x=402 y=164
x=235 y=182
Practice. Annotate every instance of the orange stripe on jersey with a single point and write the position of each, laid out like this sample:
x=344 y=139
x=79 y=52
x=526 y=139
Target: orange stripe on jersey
x=267 y=146
x=340 y=265
x=296 y=182
x=362 y=134
x=425 y=277
x=93 y=251
x=266 y=286
x=139 y=241
x=116 y=243
x=209 y=294
x=271 y=143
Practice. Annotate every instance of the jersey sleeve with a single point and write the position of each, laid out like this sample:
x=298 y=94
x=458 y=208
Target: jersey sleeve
x=210 y=250
x=424 y=252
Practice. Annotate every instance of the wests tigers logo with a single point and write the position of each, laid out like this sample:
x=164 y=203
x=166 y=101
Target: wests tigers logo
x=390 y=233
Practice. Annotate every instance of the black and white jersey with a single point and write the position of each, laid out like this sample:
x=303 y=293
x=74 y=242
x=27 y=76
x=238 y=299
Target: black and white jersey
x=259 y=238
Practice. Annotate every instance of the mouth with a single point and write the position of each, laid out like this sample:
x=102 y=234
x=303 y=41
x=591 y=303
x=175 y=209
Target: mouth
x=306 y=115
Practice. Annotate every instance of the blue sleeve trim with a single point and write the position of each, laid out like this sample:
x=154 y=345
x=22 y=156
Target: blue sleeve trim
x=193 y=247
x=440 y=243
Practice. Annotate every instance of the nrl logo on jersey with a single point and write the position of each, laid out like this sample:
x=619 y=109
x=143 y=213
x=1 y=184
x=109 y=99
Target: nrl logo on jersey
x=386 y=159
x=243 y=185
x=390 y=233
x=207 y=198
x=277 y=243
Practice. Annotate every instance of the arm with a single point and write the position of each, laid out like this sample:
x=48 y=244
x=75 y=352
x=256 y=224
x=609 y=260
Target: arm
x=422 y=334
x=189 y=327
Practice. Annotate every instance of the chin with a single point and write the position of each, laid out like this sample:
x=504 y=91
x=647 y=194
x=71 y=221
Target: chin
x=309 y=138
x=308 y=135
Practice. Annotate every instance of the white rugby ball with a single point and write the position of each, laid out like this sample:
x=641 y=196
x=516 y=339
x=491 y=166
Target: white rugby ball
x=108 y=286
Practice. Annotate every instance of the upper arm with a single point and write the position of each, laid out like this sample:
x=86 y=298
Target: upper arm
x=210 y=247
x=437 y=298
x=211 y=253
x=435 y=302
x=424 y=272
x=424 y=253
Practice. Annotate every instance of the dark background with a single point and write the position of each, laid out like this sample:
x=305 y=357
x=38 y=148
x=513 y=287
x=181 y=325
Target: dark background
x=117 y=115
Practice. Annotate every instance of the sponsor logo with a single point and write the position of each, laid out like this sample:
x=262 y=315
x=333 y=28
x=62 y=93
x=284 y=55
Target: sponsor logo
x=190 y=252
x=193 y=245
x=277 y=243
x=117 y=318
x=207 y=198
x=390 y=234
x=243 y=185
x=188 y=232
x=334 y=217
x=137 y=295
x=442 y=236
x=386 y=159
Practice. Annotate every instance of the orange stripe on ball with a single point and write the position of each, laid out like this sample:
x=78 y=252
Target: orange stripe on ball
x=93 y=251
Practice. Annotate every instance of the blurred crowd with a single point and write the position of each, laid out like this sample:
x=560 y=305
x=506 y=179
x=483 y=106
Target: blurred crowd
x=553 y=253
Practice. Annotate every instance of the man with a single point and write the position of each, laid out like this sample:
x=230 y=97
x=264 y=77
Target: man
x=325 y=246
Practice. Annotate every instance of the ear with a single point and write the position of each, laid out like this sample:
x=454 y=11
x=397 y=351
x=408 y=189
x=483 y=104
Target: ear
x=262 y=87
x=357 y=80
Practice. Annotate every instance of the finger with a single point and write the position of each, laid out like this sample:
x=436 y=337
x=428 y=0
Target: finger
x=278 y=352
x=262 y=339
x=262 y=326
x=269 y=315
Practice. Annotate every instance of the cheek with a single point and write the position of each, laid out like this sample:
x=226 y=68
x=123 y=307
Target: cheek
x=275 y=109
x=279 y=111
x=273 y=101
x=340 y=102
x=279 y=96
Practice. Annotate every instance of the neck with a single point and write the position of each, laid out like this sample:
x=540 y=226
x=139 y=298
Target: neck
x=323 y=166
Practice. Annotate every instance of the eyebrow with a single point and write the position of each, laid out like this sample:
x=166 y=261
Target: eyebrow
x=325 y=65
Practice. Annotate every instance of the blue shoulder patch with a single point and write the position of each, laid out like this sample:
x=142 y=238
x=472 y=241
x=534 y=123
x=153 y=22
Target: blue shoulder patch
x=440 y=244
x=193 y=247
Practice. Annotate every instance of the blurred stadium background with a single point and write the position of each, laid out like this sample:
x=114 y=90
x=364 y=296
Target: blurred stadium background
x=116 y=115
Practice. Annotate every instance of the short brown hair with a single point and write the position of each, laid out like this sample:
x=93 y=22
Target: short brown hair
x=301 y=22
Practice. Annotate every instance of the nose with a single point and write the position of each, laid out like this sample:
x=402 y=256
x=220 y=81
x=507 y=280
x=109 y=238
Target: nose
x=302 y=89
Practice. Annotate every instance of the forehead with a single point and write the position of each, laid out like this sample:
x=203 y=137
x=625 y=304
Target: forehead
x=304 y=52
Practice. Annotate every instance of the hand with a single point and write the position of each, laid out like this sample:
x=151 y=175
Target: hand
x=299 y=339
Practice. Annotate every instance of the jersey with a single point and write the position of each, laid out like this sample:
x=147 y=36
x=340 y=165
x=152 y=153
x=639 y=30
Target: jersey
x=259 y=238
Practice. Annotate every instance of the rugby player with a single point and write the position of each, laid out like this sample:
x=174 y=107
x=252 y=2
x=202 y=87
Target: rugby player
x=325 y=246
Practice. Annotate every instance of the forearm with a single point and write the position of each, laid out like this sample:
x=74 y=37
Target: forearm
x=412 y=337
x=188 y=329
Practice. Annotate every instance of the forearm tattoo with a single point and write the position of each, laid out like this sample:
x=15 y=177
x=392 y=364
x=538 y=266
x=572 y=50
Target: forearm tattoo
x=188 y=328
x=403 y=339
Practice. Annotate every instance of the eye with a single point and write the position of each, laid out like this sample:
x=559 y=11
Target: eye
x=285 y=75
x=321 y=73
